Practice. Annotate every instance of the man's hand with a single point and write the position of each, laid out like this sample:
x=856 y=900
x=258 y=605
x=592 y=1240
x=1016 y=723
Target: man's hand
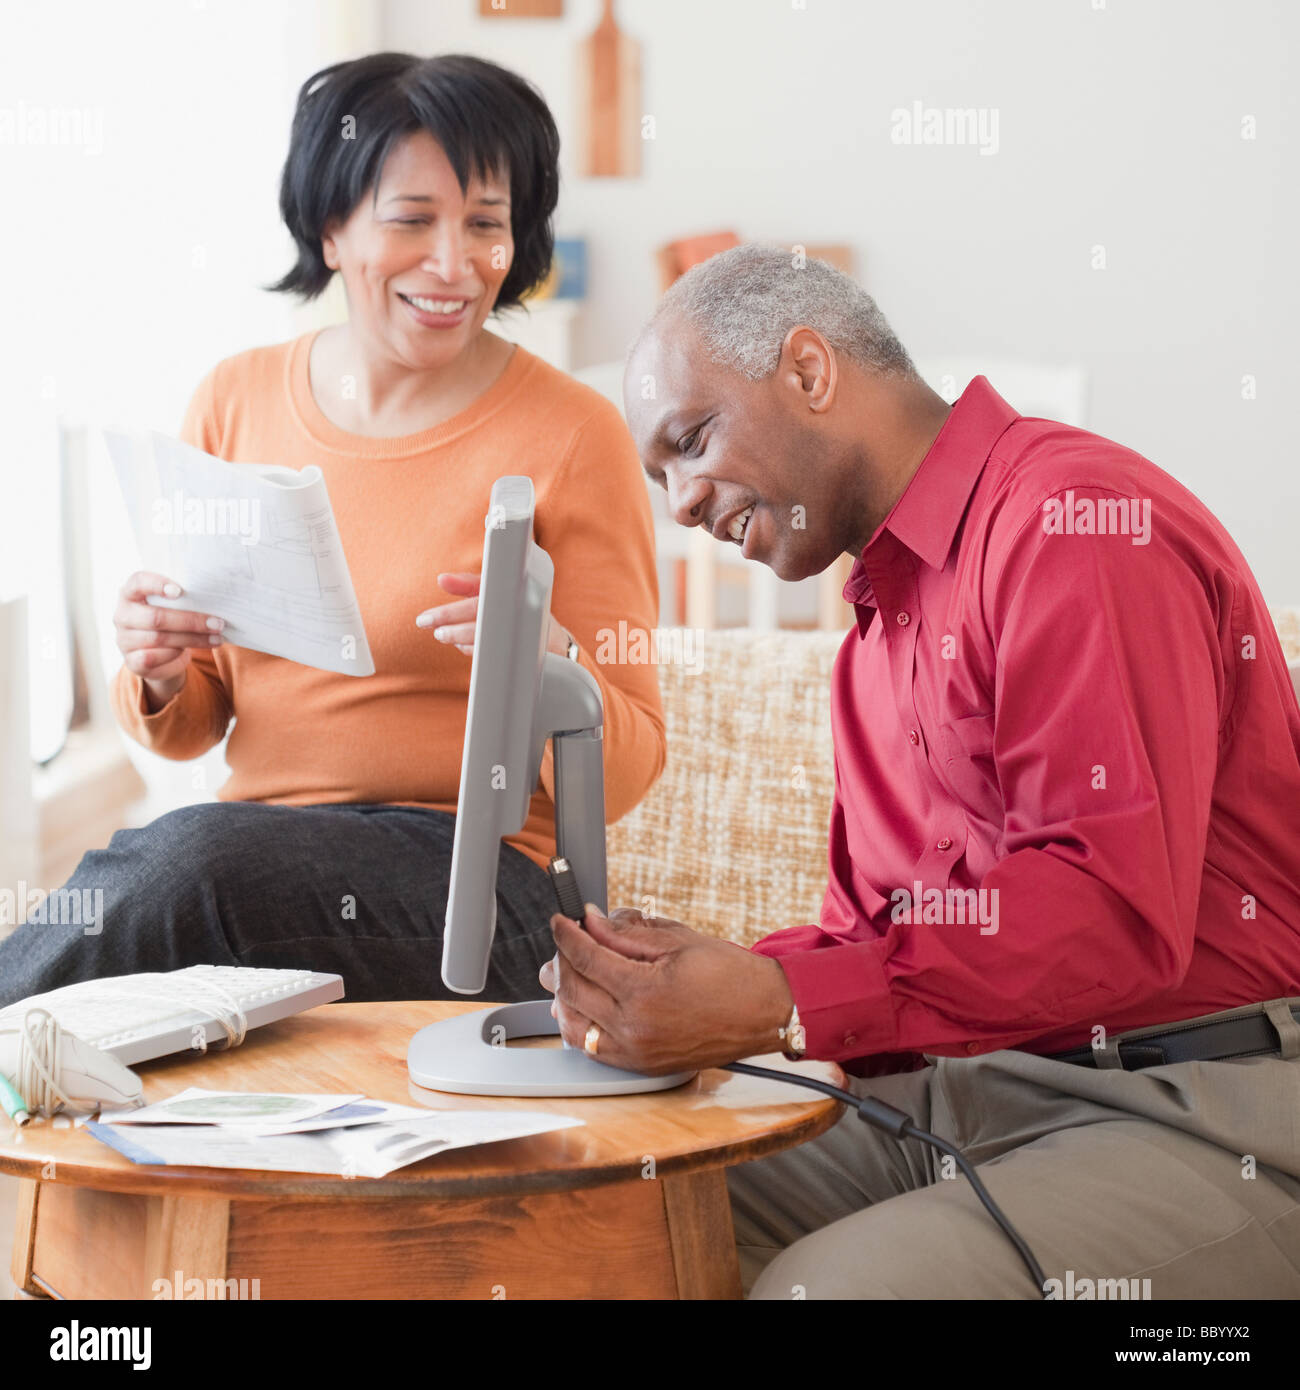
x=665 y=998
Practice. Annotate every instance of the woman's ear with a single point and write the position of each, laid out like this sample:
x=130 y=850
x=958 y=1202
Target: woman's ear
x=328 y=244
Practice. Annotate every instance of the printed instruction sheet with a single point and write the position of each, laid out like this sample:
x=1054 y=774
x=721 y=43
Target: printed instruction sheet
x=255 y=544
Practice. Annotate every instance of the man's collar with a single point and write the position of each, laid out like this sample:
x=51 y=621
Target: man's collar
x=926 y=517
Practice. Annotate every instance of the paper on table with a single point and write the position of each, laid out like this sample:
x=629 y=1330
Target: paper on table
x=198 y=1106
x=255 y=544
x=362 y=1151
x=360 y=1112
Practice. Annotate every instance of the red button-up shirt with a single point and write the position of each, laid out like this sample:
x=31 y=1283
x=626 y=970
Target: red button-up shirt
x=1067 y=761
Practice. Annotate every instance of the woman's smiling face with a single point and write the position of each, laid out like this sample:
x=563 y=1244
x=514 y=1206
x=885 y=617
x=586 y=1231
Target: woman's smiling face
x=422 y=261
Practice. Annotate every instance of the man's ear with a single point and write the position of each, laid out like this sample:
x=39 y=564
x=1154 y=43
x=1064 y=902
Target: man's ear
x=810 y=366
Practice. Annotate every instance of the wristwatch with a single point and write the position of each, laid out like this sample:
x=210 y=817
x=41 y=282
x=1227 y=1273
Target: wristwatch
x=796 y=1041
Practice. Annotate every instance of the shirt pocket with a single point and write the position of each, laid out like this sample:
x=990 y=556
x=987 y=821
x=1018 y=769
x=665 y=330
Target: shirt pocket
x=969 y=768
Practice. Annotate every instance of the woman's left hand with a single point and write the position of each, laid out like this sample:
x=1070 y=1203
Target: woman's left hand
x=454 y=622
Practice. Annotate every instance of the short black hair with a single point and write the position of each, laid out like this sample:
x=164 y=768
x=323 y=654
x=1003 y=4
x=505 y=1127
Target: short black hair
x=490 y=121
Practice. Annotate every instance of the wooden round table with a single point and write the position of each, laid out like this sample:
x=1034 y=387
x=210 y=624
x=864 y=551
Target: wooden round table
x=632 y=1204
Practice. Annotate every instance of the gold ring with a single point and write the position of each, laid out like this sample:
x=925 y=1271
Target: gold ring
x=592 y=1041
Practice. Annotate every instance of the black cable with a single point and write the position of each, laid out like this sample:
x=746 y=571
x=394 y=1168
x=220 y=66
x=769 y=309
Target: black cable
x=894 y=1122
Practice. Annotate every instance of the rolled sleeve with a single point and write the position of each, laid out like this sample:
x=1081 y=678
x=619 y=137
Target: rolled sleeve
x=194 y=720
x=841 y=991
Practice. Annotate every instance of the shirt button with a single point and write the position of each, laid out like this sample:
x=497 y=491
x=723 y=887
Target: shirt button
x=850 y=1039
x=913 y=737
x=972 y=1048
x=904 y=619
x=945 y=843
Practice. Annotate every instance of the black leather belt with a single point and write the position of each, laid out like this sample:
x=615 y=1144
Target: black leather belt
x=1255 y=1030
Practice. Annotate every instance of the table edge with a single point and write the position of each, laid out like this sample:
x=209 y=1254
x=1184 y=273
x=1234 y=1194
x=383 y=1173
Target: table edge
x=244 y=1185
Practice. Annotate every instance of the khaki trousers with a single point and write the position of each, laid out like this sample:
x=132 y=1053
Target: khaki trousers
x=1186 y=1175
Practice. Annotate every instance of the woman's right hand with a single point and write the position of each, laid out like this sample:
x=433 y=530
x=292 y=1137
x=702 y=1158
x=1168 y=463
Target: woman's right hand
x=156 y=642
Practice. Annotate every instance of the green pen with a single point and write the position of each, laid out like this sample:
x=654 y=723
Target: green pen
x=15 y=1106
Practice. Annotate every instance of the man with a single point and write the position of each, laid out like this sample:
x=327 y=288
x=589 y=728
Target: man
x=1067 y=775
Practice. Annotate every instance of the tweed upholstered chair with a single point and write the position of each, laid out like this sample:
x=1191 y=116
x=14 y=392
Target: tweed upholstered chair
x=1288 y=629
x=732 y=839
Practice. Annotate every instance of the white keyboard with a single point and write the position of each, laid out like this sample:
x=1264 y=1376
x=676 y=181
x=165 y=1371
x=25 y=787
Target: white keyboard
x=138 y=1017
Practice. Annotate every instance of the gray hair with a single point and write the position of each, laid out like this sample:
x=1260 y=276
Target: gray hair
x=743 y=302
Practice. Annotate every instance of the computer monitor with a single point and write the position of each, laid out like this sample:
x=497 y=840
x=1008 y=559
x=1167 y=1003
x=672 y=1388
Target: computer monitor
x=519 y=696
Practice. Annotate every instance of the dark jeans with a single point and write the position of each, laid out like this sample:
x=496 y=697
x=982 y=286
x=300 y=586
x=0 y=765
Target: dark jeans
x=359 y=891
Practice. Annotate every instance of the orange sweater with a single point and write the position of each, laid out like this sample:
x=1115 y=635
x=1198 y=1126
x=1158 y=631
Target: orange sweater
x=407 y=509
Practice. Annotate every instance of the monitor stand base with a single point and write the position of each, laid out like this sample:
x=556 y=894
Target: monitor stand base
x=466 y=1054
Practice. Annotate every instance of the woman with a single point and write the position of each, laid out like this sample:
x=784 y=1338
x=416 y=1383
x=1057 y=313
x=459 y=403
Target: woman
x=428 y=185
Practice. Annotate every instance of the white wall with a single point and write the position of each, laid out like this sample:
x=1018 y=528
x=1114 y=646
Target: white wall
x=130 y=258
x=132 y=249
x=1118 y=126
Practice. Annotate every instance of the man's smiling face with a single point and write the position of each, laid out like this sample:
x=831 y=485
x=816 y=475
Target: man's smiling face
x=742 y=458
